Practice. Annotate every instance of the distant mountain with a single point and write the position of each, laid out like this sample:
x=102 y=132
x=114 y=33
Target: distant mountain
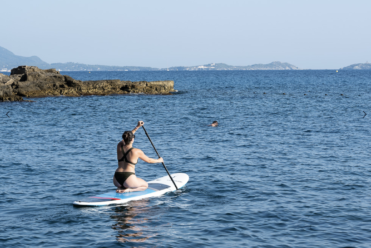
x=83 y=67
x=209 y=67
x=360 y=66
x=9 y=60
x=223 y=67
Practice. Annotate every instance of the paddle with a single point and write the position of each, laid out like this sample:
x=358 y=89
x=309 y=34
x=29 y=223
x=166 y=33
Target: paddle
x=160 y=157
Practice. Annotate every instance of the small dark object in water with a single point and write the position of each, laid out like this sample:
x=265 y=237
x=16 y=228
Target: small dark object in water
x=325 y=94
x=341 y=94
x=365 y=114
x=305 y=94
x=7 y=114
x=284 y=93
x=264 y=93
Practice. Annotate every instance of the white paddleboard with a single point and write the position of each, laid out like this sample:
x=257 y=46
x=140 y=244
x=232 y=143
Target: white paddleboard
x=155 y=188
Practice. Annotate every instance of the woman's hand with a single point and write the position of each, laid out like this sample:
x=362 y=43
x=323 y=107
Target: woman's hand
x=160 y=160
x=140 y=123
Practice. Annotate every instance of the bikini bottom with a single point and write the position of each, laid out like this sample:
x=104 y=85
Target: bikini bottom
x=122 y=176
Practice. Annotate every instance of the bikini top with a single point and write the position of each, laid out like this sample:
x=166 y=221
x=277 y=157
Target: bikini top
x=125 y=154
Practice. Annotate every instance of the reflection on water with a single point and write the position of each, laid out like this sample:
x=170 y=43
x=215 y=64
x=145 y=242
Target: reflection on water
x=132 y=222
x=142 y=221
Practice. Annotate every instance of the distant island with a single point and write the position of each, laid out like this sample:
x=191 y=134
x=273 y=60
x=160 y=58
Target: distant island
x=360 y=66
x=224 y=67
x=9 y=60
x=209 y=67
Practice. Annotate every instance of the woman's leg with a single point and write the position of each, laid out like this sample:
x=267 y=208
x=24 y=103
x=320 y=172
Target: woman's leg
x=134 y=183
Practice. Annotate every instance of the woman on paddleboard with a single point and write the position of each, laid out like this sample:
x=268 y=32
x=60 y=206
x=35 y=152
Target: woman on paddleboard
x=125 y=179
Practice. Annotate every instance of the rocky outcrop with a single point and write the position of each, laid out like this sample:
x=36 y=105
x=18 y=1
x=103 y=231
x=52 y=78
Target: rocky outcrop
x=6 y=90
x=30 y=81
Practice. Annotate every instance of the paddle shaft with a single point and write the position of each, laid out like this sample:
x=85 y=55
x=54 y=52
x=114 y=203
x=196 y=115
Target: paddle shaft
x=160 y=157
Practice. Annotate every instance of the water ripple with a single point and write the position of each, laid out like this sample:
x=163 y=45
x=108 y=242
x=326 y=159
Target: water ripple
x=281 y=170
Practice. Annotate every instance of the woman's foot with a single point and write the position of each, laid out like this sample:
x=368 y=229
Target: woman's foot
x=122 y=190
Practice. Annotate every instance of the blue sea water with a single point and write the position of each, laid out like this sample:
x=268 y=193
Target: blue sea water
x=288 y=165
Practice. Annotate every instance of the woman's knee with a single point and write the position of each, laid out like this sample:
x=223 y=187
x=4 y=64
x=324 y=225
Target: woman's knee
x=144 y=183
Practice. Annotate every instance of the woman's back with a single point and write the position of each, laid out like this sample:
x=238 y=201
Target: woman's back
x=127 y=157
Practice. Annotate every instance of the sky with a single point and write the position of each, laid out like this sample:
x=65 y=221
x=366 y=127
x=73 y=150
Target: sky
x=313 y=34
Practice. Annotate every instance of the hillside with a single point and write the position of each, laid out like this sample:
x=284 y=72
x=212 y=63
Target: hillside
x=223 y=67
x=360 y=66
x=9 y=60
x=70 y=66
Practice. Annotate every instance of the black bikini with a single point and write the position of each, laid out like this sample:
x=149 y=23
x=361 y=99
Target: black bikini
x=122 y=176
x=125 y=154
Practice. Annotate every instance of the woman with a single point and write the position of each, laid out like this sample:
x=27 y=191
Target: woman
x=125 y=179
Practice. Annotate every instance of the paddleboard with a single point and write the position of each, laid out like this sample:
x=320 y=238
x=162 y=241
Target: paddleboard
x=155 y=188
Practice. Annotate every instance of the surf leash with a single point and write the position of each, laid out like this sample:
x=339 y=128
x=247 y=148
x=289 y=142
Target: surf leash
x=160 y=157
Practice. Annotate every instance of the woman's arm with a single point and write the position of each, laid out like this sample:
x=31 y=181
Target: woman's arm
x=143 y=157
x=140 y=123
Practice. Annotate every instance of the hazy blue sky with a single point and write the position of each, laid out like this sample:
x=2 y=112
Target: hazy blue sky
x=309 y=34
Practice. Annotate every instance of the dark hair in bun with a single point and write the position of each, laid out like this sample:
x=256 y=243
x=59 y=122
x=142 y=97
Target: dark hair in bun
x=127 y=136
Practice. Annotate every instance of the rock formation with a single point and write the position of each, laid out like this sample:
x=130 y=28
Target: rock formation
x=30 y=81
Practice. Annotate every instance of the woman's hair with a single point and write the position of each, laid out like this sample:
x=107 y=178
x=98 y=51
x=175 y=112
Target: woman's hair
x=215 y=122
x=127 y=136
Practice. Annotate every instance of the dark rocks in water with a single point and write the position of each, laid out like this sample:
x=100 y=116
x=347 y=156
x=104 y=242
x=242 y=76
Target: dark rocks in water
x=30 y=81
x=6 y=90
x=7 y=94
x=31 y=69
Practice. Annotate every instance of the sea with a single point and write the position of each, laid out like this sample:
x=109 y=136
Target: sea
x=288 y=166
